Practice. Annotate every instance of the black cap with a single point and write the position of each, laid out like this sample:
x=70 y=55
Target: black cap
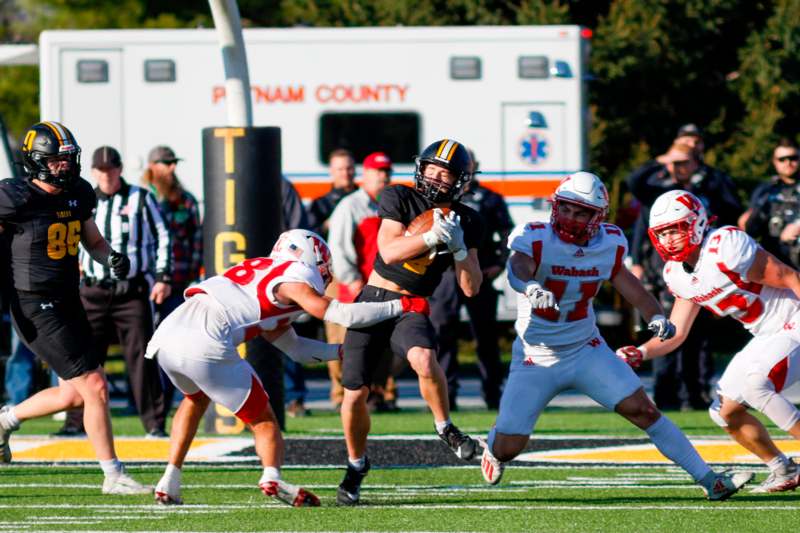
x=689 y=130
x=105 y=157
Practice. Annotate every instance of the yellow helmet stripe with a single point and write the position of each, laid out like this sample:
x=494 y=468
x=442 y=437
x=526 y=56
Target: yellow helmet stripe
x=55 y=127
x=446 y=149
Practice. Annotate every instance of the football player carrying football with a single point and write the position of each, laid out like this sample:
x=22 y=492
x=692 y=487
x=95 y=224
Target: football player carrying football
x=725 y=271
x=196 y=347
x=411 y=265
x=557 y=269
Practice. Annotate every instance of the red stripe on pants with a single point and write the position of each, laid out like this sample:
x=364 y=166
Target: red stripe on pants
x=255 y=404
x=777 y=375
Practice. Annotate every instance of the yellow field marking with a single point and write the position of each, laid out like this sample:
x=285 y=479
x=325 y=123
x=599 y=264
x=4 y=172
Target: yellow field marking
x=711 y=450
x=131 y=449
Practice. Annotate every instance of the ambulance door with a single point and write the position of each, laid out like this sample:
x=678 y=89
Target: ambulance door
x=91 y=99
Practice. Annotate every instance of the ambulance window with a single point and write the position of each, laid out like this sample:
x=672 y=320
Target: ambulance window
x=159 y=70
x=533 y=67
x=396 y=134
x=92 y=71
x=465 y=68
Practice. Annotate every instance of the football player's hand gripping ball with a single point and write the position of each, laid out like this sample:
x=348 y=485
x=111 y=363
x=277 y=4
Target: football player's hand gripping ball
x=438 y=234
x=456 y=244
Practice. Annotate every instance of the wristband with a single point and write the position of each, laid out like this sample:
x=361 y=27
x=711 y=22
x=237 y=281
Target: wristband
x=460 y=255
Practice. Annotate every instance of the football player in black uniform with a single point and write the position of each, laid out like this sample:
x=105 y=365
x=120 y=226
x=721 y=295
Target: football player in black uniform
x=46 y=215
x=411 y=265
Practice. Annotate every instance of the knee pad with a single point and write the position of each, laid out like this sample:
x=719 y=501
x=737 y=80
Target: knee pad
x=713 y=412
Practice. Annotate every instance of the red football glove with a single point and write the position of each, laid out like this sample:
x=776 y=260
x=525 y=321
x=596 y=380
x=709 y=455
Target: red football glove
x=415 y=304
x=631 y=355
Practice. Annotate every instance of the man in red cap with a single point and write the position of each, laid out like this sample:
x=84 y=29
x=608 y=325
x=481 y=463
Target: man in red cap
x=353 y=239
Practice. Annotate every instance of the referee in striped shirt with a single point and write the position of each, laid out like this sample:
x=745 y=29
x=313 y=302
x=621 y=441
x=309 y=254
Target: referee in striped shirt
x=129 y=218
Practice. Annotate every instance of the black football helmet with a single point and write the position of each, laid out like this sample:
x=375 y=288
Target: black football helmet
x=452 y=155
x=47 y=140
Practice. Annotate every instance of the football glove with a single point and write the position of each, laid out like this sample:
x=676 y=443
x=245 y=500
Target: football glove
x=438 y=233
x=631 y=355
x=456 y=243
x=661 y=327
x=415 y=304
x=119 y=264
x=540 y=297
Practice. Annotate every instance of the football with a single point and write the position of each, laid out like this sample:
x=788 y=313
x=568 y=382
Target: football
x=423 y=222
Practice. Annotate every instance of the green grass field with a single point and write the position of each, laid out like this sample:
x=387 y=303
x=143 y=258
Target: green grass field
x=540 y=498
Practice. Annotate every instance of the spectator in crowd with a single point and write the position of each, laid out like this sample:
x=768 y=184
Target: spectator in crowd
x=691 y=367
x=447 y=299
x=773 y=218
x=342 y=169
x=181 y=213
x=49 y=212
x=129 y=218
x=353 y=240
x=690 y=134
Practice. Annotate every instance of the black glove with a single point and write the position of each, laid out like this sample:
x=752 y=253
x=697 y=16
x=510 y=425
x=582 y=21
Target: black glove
x=120 y=264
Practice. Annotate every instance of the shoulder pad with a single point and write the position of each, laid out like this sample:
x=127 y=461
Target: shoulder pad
x=17 y=190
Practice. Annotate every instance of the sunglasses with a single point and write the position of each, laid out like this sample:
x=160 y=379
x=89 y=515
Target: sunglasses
x=167 y=161
x=786 y=158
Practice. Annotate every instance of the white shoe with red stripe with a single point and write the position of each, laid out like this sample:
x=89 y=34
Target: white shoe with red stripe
x=491 y=467
x=781 y=482
x=288 y=494
x=168 y=491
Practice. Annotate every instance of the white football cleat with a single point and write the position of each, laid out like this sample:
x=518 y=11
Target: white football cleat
x=288 y=494
x=491 y=467
x=6 y=429
x=776 y=482
x=726 y=485
x=168 y=491
x=122 y=483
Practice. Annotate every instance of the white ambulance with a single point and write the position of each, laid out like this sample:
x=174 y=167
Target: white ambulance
x=515 y=95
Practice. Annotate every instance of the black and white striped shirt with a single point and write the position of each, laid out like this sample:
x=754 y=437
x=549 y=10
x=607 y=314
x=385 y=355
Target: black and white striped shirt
x=132 y=224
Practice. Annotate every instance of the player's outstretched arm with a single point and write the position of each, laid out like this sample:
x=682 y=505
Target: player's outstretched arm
x=359 y=314
x=300 y=349
x=771 y=271
x=682 y=316
x=469 y=274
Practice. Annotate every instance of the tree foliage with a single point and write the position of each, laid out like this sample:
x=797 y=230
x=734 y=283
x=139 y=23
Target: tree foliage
x=728 y=65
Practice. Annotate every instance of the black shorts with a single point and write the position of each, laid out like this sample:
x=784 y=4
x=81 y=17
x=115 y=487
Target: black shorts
x=55 y=328
x=366 y=358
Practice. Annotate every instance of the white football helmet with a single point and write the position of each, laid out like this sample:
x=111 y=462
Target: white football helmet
x=679 y=211
x=308 y=248
x=586 y=190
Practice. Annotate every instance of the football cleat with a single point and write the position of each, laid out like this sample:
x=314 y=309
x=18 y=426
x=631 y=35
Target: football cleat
x=288 y=494
x=462 y=445
x=122 y=483
x=491 y=467
x=776 y=482
x=726 y=485
x=349 y=491
x=5 y=434
x=168 y=491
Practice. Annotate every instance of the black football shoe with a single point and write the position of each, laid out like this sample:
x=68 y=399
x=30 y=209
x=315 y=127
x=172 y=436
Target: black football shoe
x=349 y=491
